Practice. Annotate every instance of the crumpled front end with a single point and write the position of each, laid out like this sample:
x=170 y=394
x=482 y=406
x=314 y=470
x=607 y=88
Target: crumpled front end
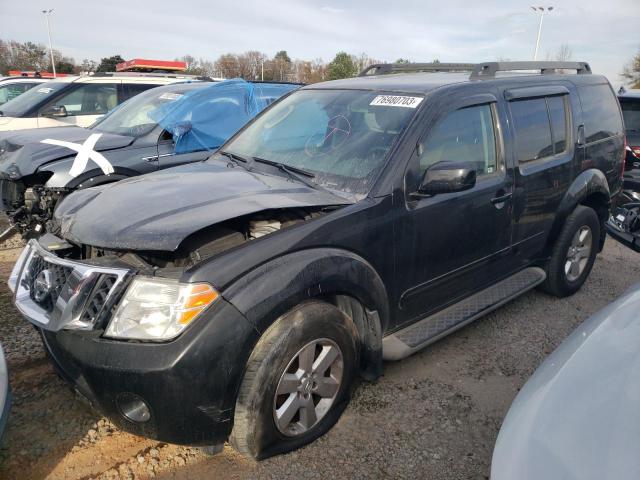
x=151 y=388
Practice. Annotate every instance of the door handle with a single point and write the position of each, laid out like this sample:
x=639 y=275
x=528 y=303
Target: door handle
x=154 y=158
x=501 y=198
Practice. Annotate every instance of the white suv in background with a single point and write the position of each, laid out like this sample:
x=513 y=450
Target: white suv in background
x=77 y=100
x=12 y=87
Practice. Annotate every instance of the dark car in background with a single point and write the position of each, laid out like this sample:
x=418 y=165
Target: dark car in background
x=351 y=221
x=630 y=104
x=160 y=128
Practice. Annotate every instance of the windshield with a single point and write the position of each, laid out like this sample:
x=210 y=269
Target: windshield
x=19 y=106
x=631 y=114
x=341 y=136
x=132 y=118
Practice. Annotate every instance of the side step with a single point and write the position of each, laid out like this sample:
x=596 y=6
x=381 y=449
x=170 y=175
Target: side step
x=418 y=335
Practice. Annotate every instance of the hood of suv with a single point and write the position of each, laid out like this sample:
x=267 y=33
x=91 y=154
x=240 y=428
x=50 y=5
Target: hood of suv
x=22 y=152
x=159 y=210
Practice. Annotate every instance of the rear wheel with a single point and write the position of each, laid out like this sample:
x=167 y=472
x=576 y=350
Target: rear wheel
x=298 y=381
x=574 y=253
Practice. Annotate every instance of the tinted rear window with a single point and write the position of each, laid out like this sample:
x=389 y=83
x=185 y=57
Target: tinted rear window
x=600 y=112
x=558 y=123
x=531 y=125
x=631 y=113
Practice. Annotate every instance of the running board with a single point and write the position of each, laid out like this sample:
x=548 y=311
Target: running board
x=418 y=335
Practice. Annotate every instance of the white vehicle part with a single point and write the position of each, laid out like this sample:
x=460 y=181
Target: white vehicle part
x=260 y=228
x=85 y=152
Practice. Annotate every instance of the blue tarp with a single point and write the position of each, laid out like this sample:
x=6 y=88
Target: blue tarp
x=204 y=118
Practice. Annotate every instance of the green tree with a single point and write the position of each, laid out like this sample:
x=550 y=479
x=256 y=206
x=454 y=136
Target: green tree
x=342 y=67
x=631 y=71
x=402 y=60
x=108 y=64
x=63 y=66
x=283 y=56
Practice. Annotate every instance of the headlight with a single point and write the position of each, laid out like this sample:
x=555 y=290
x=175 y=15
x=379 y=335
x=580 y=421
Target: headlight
x=159 y=309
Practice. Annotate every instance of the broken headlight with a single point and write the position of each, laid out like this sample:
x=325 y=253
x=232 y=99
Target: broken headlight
x=158 y=309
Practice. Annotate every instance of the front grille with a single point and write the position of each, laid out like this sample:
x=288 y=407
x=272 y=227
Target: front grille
x=58 y=273
x=98 y=299
x=56 y=293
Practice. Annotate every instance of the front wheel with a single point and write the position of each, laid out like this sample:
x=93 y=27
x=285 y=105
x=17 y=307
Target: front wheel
x=298 y=381
x=574 y=253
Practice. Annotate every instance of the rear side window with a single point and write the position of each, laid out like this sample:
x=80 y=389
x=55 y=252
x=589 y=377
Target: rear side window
x=540 y=126
x=465 y=135
x=600 y=112
x=133 y=89
x=631 y=114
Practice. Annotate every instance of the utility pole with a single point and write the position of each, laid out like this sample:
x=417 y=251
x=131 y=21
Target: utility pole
x=47 y=14
x=540 y=11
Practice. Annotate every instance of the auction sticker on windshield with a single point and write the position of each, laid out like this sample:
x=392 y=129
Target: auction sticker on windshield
x=170 y=96
x=396 y=101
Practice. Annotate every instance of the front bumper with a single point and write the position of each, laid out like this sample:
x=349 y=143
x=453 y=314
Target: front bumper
x=189 y=384
x=5 y=393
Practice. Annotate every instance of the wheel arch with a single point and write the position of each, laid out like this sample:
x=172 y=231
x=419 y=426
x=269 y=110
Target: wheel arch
x=590 y=189
x=336 y=276
x=96 y=176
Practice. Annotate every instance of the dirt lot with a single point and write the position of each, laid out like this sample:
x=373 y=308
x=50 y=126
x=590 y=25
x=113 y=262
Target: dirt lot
x=435 y=415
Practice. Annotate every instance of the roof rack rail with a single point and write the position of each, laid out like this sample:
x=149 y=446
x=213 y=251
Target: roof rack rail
x=489 y=69
x=386 y=68
x=147 y=74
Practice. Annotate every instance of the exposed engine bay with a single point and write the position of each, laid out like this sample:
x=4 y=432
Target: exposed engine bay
x=30 y=208
x=199 y=246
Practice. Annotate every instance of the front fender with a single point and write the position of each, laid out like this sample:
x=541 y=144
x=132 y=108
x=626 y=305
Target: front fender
x=590 y=183
x=270 y=290
x=94 y=176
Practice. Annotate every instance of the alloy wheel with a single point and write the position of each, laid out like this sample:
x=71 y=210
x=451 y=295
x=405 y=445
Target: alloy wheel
x=308 y=387
x=578 y=253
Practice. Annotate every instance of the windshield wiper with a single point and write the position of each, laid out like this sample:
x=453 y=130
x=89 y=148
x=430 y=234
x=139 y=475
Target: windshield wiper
x=235 y=158
x=296 y=173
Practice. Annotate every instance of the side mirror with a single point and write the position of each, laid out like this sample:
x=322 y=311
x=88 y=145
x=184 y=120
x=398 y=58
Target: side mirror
x=181 y=128
x=447 y=177
x=54 y=111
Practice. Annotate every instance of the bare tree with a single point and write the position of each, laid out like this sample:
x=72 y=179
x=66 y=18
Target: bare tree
x=563 y=53
x=631 y=72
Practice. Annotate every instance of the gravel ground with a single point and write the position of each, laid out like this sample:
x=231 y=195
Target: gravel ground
x=434 y=415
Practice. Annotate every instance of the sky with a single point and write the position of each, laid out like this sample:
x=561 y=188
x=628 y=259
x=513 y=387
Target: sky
x=603 y=33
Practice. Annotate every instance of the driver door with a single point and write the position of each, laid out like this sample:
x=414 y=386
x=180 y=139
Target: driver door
x=453 y=244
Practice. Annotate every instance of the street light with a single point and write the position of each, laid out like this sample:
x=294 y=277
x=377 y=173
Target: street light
x=47 y=14
x=540 y=11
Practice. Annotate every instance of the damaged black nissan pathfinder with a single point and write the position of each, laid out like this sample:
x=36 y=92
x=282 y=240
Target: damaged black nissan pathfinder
x=352 y=221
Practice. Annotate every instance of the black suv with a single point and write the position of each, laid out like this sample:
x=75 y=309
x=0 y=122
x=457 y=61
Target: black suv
x=350 y=222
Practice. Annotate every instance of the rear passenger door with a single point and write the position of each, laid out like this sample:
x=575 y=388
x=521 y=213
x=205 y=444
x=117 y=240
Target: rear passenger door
x=545 y=156
x=452 y=244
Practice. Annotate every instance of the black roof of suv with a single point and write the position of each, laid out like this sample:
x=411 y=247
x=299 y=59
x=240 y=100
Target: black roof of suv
x=350 y=221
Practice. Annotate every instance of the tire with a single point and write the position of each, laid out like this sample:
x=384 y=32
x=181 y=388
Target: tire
x=559 y=281
x=256 y=432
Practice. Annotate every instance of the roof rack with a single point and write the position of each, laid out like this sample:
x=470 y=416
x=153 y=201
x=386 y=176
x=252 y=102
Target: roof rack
x=386 y=68
x=478 y=70
x=489 y=69
x=149 y=74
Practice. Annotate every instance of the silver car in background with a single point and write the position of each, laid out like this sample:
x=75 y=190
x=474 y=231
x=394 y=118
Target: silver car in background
x=5 y=393
x=578 y=416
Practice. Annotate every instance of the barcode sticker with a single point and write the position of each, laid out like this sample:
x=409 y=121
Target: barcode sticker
x=396 y=101
x=170 y=96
